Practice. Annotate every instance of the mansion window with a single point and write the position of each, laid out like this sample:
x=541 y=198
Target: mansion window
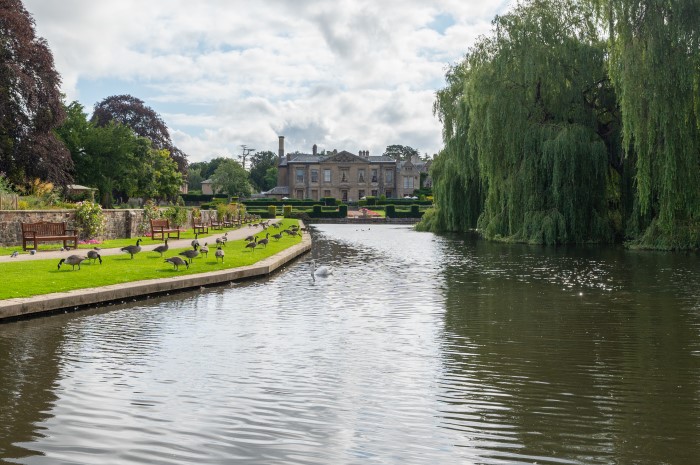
x=314 y=193
x=388 y=193
x=389 y=177
x=408 y=182
x=375 y=192
x=360 y=194
x=374 y=176
x=361 y=175
x=300 y=194
x=314 y=175
x=345 y=195
x=300 y=175
x=326 y=175
x=327 y=193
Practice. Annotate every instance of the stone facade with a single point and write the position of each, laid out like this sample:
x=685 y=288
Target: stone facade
x=119 y=223
x=344 y=175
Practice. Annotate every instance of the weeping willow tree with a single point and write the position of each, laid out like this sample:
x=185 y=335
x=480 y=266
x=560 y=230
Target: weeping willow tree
x=655 y=66
x=459 y=188
x=531 y=128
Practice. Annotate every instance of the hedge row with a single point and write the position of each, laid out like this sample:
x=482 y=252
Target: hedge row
x=414 y=212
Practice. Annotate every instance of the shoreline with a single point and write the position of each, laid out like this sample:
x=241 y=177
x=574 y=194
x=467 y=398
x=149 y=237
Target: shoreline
x=45 y=304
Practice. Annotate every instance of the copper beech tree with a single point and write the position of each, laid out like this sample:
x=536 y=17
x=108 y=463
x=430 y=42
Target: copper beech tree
x=142 y=119
x=30 y=102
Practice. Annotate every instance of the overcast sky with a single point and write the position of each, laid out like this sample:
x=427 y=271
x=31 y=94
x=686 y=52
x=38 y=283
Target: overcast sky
x=343 y=74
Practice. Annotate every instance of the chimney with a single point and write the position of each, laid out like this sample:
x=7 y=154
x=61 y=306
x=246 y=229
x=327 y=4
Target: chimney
x=281 y=149
x=315 y=150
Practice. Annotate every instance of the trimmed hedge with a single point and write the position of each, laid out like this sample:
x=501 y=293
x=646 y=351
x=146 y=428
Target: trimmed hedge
x=413 y=212
x=202 y=197
x=319 y=211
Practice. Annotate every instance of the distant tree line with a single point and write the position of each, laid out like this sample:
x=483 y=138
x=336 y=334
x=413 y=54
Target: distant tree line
x=575 y=121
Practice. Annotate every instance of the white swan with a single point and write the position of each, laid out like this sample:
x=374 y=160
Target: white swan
x=322 y=271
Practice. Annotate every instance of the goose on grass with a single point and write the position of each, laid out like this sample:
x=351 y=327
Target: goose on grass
x=94 y=255
x=162 y=248
x=177 y=262
x=72 y=260
x=190 y=254
x=132 y=249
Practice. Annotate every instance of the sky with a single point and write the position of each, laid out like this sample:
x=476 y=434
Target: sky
x=342 y=74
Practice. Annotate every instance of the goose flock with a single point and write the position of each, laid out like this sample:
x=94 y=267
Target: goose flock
x=186 y=257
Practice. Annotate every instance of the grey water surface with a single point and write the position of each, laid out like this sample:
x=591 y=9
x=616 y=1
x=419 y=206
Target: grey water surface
x=418 y=349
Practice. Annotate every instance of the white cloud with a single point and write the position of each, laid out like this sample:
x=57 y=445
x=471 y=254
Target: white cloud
x=347 y=74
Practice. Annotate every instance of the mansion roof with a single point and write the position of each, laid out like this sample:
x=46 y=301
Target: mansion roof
x=340 y=157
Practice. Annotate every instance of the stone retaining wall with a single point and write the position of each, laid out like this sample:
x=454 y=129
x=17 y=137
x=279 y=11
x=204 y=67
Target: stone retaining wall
x=118 y=224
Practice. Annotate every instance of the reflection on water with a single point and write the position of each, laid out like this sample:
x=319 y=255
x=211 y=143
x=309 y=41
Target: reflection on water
x=418 y=349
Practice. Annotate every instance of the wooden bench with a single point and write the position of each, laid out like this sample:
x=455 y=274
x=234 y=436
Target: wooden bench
x=46 y=231
x=199 y=227
x=161 y=227
x=215 y=224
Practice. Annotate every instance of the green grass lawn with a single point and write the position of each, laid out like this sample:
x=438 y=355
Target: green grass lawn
x=36 y=277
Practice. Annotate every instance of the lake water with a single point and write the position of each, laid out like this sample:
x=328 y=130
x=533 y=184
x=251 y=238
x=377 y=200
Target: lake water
x=419 y=349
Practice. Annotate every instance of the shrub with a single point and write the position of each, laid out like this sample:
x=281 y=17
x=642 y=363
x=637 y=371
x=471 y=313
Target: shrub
x=89 y=219
x=343 y=211
x=390 y=211
x=287 y=211
x=272 y=210
x=317 y=210
x=177 y=215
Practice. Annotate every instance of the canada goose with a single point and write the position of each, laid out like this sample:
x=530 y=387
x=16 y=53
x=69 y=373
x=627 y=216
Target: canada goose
x=162 y=248
x=190 y=254
x=195 y=241
x=277 y=236
x=132 y=249
x=276 y=225
x=72 y=260
x=219 y=253
x=252 y=245
x=265 y=241
x=94 y=255
x=322 y=271
x=222 y=240
x=250 y=238
x=177 y=261
x=204 y=250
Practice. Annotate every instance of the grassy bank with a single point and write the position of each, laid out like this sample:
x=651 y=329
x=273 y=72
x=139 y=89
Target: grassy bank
x=36 y=277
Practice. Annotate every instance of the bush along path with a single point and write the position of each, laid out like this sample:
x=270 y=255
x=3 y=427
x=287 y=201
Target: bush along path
x=30 y=275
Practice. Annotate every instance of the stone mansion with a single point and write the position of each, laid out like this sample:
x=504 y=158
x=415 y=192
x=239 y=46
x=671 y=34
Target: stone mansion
x=344 y=175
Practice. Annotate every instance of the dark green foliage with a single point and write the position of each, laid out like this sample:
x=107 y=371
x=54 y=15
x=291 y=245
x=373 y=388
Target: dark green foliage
x=263 y=170
x=30 y=103
x=271 y=211
x=526 y=131
x=140 y=118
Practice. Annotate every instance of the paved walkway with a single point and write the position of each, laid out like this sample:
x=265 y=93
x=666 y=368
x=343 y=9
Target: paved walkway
x=232 y=235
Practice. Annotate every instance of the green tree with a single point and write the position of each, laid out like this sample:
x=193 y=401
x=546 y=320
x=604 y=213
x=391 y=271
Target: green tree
x=30 y=102
x=655 y=65
x=194 y=176
x=230 y=178
x=142 y=119
x=261 y=164
x=157 y=174
x=529 y=120
x=400 y=152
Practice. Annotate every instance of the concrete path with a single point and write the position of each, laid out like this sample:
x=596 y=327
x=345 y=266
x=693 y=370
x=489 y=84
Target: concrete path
x=233 y=235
